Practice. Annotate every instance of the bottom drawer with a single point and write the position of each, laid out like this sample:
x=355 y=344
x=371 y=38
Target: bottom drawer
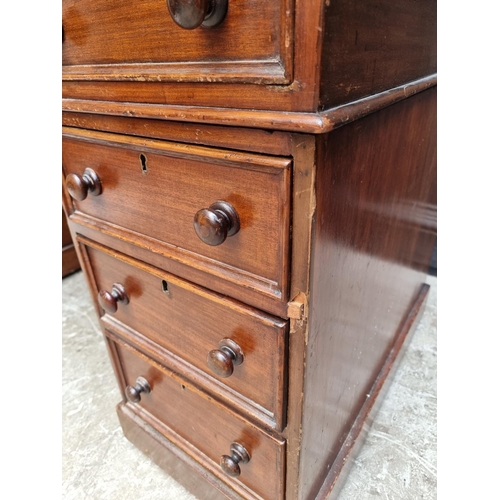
x=203 y=423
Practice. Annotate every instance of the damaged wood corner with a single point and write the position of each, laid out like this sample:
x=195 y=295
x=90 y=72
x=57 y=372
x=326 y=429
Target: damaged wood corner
x=297 y=308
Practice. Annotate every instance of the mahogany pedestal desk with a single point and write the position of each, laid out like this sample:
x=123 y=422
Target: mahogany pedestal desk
x=250 y=187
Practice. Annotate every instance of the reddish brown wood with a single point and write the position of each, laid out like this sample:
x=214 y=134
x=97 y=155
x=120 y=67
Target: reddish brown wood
x=194 y=476
x=109 y=300
x=66 y=234
x=374 y=191
x=158 y=205
x=182 y=467
x=309 y=122
x=304 y=207
x=186 y=320
x=152 y=252
x=79 y=186
x=230 y=464
x=190 y=14
x=345 y=50
x=355 y=439
x=111 y=40
x=175 y=404
x=295 y=52
x=332 y=231
x=70 y=262
x=215 y=223
x=261 y=141
x=346 y=113
x=133 y=392
x=370 y=47
x=223 y=360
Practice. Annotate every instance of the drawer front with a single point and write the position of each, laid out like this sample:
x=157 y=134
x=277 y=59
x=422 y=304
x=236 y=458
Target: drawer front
x=118 y=40
x=152 y=191
x=204 y=424
x=191 y=323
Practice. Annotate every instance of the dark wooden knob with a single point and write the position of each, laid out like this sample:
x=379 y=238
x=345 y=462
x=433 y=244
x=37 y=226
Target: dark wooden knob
x=214 y=224
x=230 y=464
x=79 y=186
x=222 y=360
x=109 y=300
x=189 y=14
x=133 y=393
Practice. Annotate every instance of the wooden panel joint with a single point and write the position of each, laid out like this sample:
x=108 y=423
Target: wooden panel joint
x=297 y=308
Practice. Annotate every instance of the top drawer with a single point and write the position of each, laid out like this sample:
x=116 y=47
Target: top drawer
x=123 y=40
x=154 y=193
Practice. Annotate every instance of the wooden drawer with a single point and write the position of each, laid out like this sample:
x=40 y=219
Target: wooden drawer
x=69 y=258
x=189 y=415
x=190 y=322
x=152 y=191
x=117 y=40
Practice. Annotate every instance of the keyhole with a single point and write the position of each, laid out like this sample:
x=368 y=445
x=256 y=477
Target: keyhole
x=164 y=286
x=144 y=166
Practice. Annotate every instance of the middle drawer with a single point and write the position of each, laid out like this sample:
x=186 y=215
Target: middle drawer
x=231 y=346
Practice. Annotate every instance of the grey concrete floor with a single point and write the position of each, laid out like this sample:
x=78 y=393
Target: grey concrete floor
x=397 y=462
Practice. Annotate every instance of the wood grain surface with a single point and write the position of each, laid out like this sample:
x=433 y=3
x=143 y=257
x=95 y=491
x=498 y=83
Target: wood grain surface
x=152 y=190
x=186 y=320
x=70 y=261
x=238 y=138
x=113 y=40
x=180 y=465
x=317 y=122
x=370 y=47
x=374 y=200
x=302 y=55
x=210 y=429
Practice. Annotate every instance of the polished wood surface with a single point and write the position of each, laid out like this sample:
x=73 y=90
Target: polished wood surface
x=317 y=122
x=369 y=47
x=133 y=392
x=230 y=464
x=210 y=429
x=264 y=217
x=70 y=262
x=159 y=204
x=223 y=360
x=191 y=14
x=302 y=17
x=246 y=139
x=66 y=234
x=186 y=320
x=315 y=54
x=215 y=223
x=374 y=191
x=355 y=439
x=111 y=40
x=79 y=186
x=184 y=469
x=109 y=300
x=153 y=253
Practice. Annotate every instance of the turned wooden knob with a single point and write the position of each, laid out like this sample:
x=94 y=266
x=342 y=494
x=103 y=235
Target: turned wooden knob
x=189 y=14
x=109 y=300
x=79 y=186
x=133 y=393
x=214 y=224
x=222 y=360
x=229 y=464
